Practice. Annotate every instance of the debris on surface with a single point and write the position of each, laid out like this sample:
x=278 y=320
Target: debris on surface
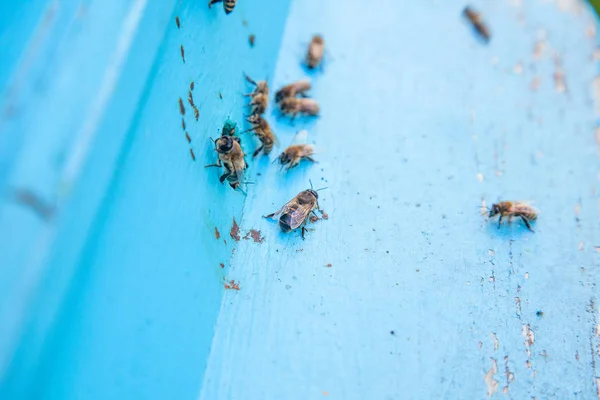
x=251 y=39
x=181 y=107
x=217 y=233
x=232 y=285
x=33 y=201
x=177 y=22
x=192 y=154
x=182 y=54
x=324 y=214
x=235 y=231
x=255 y=235
x=329 y=265
x=222 y=265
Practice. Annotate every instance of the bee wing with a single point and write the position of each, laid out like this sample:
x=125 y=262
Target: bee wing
x=299 y=213
x=300 y=138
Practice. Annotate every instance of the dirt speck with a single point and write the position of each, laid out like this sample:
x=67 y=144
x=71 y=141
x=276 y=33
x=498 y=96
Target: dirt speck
x=220 y=96
x=232 y=285
x=181 y=107
x=222 y=265
x=183 y=124
x=33 y=201
x=192 y=85
x=299 y=250
x=329 y=265
x=251 y=39
x=235 y=231
x=177 y=22
x=324 y=214
x=217 y=233
x=244 y=22
x=182 y=54
x=187 y=136
x=193 y=155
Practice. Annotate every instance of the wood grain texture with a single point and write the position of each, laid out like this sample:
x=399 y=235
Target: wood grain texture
x=419 y=123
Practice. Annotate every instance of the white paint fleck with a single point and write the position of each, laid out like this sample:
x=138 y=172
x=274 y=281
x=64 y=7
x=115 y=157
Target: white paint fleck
x=528 y=335
x=495 y=339
x=518 y=69
x=491 y=383
x=526 y=275
x=480 y=177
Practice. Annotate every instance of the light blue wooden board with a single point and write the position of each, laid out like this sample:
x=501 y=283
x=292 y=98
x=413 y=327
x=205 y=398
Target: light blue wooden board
x=121 y=295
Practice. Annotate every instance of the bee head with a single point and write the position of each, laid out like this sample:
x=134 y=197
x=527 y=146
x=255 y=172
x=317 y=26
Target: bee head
x=318 y=39
x=495 y=210
x=284 y=158
x=224 y=144
x=313 y=192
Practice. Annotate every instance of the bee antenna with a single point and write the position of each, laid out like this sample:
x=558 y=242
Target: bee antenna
x=250 y=79
x=311 y=186
x=273 y=162
x=323 y=188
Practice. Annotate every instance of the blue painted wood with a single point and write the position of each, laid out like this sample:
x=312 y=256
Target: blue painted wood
x=404 y=292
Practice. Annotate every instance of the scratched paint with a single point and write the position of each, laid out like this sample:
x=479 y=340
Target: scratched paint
x=419 y=128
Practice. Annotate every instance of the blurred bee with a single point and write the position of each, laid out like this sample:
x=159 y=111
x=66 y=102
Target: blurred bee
x=259 y=104
x=294 y=106
x=263 y=131
x=296 y=153
x=316 y=48
x=228 y=5
x=260 y=87
x=512 y=209
x=232 y=156
x=294 y=214
x=292 y=90
x=475 y=18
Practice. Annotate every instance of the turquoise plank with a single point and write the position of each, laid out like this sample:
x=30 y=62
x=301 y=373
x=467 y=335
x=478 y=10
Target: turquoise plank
x=423 y=299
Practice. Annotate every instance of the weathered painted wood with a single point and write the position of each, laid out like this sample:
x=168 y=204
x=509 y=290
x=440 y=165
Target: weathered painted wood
x=405 y=292
x=423 y=299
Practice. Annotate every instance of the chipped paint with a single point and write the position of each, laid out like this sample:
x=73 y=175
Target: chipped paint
x=495 y=340
x=235 y=231
x=491 y=384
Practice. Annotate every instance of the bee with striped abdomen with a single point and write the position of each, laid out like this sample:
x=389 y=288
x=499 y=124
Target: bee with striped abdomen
x=263 y=131
x=477 y=21
x=228 y=5
x=259 y=104
x=294 y=214
x=293 y=106
x=293 y=89
x=315 y=52
x=231 y=156
x=512 y=209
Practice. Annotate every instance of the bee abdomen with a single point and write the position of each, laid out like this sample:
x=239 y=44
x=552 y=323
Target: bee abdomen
x=284 y=222
x=229 y=5
x=267 y=148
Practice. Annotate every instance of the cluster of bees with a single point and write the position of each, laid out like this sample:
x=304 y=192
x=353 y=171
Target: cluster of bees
x=292 y=100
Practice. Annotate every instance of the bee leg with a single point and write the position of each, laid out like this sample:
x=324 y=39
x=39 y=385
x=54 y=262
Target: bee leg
x=303 y=231
x=499 y=221
x=257 y=151
x=311 y=159
x=211 y=2
x=218 y=164
x=224 y=176
x=527 y=223
x=292 y=165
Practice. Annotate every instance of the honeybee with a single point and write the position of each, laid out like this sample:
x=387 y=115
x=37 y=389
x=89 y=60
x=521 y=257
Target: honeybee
x=228 y=5
x=295 y=153
x=232 y=156
x=294 y=214
x=259 y=104
x=512 y=209
x=294 y=106
x=263 y=131
x=292 y=90
x=315 y=52
x=477 y=22
x=259 y=87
